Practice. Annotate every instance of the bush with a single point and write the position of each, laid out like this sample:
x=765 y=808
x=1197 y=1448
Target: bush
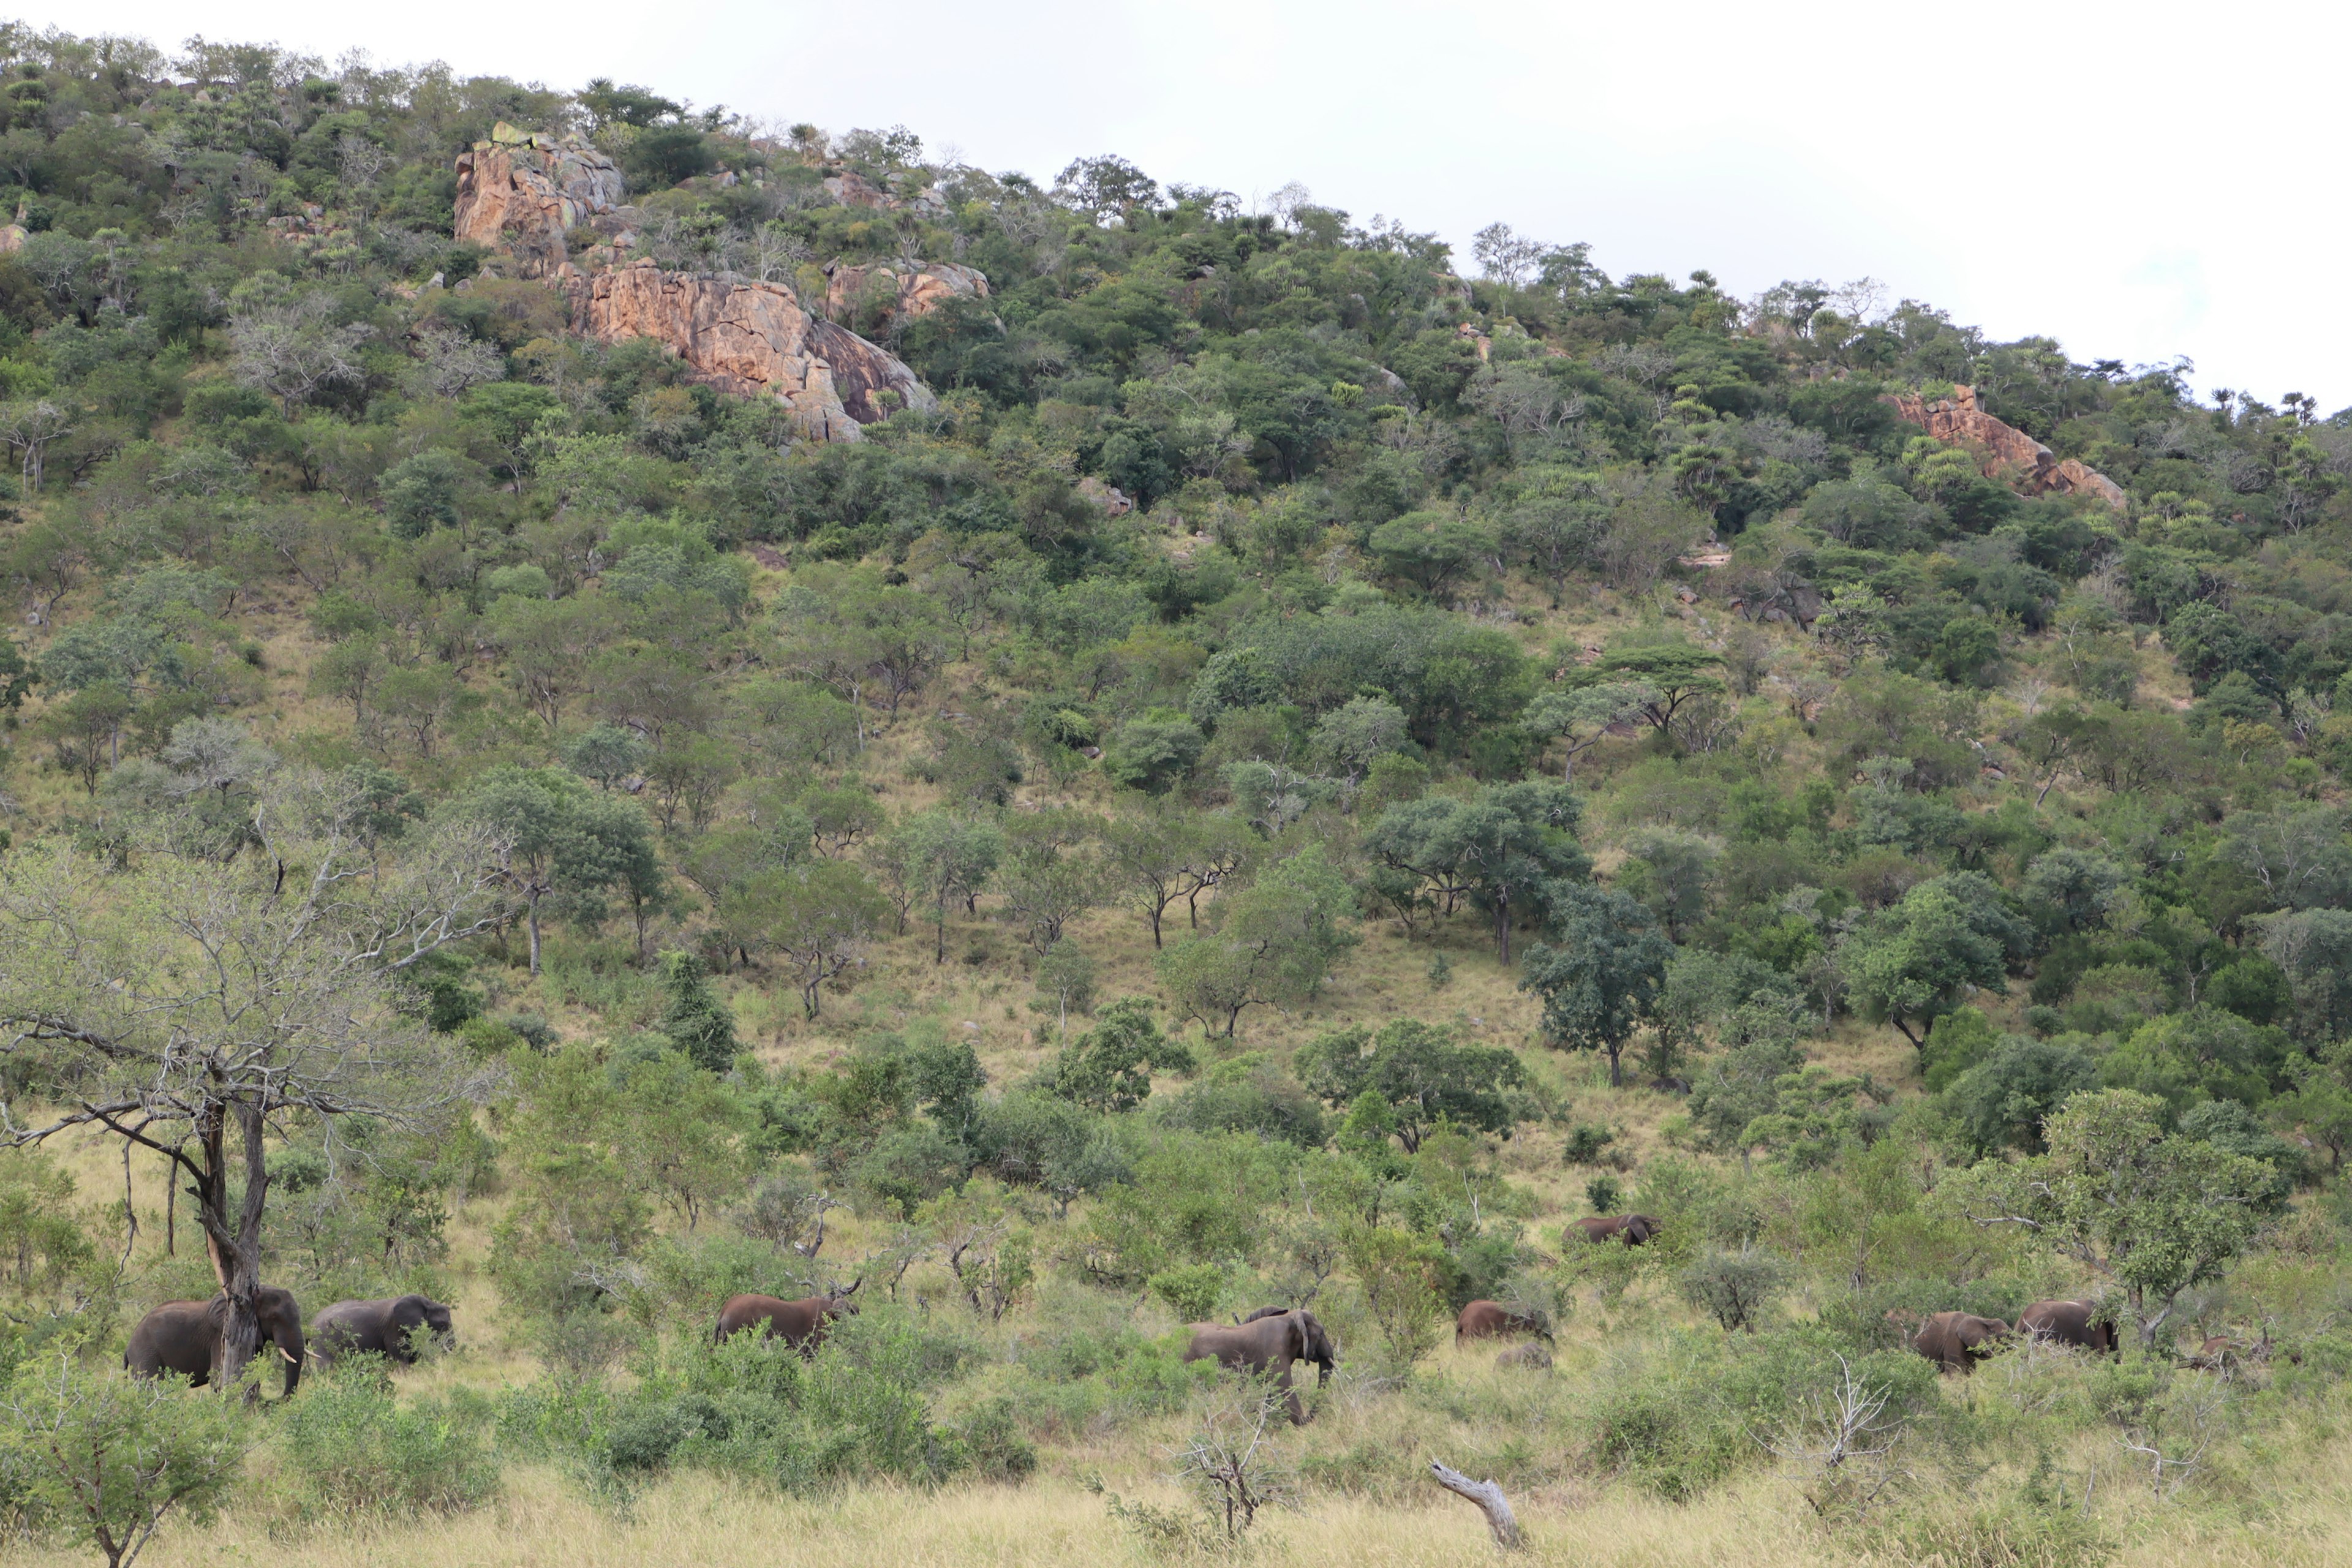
x=1191 y=1290
x=1734 y=1287
x=349 y=1446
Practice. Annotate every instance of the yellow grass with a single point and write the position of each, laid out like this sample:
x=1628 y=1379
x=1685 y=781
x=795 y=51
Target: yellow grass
x=542 y=1521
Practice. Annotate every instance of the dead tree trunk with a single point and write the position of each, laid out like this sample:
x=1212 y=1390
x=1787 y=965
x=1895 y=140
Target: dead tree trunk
x=1490 y=1499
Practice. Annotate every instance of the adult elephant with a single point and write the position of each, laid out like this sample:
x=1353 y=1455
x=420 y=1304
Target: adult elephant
x=1956 y=1342
x=185 y=1337
x=1266 y=1347
x=380 y=1328
x=1492 y=1319
x=2068 y=1324
x=1632 y=1229
x=802 y=1323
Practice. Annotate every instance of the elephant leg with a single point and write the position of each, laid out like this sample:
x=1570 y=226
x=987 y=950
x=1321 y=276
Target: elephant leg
x=1290 y=1399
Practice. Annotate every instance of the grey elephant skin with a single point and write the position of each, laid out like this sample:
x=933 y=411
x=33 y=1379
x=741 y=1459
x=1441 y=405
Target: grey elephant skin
x=378 y=1327
x=1632 y=1229
x=802 y=1323
x=1956 y=1342
x=184 y=1337
x=1266 y=1347
x=2069 y=1323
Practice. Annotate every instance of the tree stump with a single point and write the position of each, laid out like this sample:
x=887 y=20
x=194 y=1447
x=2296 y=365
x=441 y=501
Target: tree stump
x=1490 y=1499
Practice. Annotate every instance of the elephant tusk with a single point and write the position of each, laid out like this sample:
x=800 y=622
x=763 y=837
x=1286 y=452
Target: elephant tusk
x=291 y=1361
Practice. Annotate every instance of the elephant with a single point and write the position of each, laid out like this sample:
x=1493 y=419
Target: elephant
x=1261 y=1312
x=1632 y=1229
x=1956 y=1342
x=1530 y=1355
x=2068 y=1323
x=184 y=1337
x=1266 y=1347
x=380 y=1326
x=801 y=1323
x=1492 y=1319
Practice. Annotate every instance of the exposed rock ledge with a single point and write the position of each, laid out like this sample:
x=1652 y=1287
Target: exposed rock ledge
x=2002 y=449
x=521 y=192
x=910 y=292
x=752 y=340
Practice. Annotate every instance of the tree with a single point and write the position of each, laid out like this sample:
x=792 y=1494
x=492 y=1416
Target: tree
x=937 y=859
x=2003 y=1101
x=1353 y=736
x=1557 y=528
x=1109 y=1067
x=1909 y=962
x=1271 y=944
x=1502 y=848
x=560 y=840
x=291 y=344
x=1421 y=1073
x=1066 y=975
x=1579 y=715
x=32 y=425
x=180 y=1003
x=1050 y=872
x=818 y=917
x=104 y=1458
x=1154 y=752
x=2313 y=949
x=1431 y=549
x=1604 y=978
x=2156 y=1214
x=1674 y=672
x=696 y=1018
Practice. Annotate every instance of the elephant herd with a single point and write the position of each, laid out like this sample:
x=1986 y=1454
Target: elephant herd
x=185 y=1337
x=1956 y=1342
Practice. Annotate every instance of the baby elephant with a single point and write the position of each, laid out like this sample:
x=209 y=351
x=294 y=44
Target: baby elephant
x=380 y=1328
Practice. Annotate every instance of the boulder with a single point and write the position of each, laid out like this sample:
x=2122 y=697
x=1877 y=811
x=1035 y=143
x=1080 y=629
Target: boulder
x=1114 y=501
x=914 y=293
x=751 y=340
x=852 y=189
x=520 y=194
x=2002 y=450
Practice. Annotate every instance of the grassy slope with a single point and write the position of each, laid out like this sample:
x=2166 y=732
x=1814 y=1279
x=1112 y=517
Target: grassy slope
x=1451 y=1414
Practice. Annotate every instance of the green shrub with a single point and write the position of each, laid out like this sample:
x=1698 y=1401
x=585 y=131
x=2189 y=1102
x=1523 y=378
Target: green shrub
x=348 y=1446
x=1734 y=1287
x=1191 y=1290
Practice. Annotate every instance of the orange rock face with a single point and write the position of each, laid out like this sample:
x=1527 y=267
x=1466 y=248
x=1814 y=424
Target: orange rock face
x=900 y=292
x=2002 y=450
x=752 y=340
x=519 y=193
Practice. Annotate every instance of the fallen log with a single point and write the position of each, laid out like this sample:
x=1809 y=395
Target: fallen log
x=1490 y=1499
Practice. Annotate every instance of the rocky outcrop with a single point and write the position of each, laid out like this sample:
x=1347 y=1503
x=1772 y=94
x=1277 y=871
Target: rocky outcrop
x=752 y=340
x=852 y=189
x=2002 y=450
x=521 y=192
x=898 y=290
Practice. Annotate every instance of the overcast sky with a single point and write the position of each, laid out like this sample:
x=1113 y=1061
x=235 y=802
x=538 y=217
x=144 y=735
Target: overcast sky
x=2135 y=181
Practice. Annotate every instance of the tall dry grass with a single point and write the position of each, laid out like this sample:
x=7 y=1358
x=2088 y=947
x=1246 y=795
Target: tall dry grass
x=543 y=1522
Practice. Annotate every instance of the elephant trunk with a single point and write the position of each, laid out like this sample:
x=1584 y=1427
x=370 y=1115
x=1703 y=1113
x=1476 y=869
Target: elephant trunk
x=293 y=1358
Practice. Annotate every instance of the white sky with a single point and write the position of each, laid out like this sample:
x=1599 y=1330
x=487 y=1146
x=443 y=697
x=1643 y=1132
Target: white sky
x=2138 y=181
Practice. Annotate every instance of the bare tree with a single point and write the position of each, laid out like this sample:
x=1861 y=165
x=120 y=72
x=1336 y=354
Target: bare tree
x=291 y=346
x=183 y=999
x=29 y=426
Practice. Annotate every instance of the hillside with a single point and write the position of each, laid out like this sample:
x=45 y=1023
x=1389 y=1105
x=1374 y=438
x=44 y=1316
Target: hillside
x=609 y=707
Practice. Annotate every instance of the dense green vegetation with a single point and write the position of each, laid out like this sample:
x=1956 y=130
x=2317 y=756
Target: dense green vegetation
x=487 y=815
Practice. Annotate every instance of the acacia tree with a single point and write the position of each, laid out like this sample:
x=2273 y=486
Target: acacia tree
x=184 y=1002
